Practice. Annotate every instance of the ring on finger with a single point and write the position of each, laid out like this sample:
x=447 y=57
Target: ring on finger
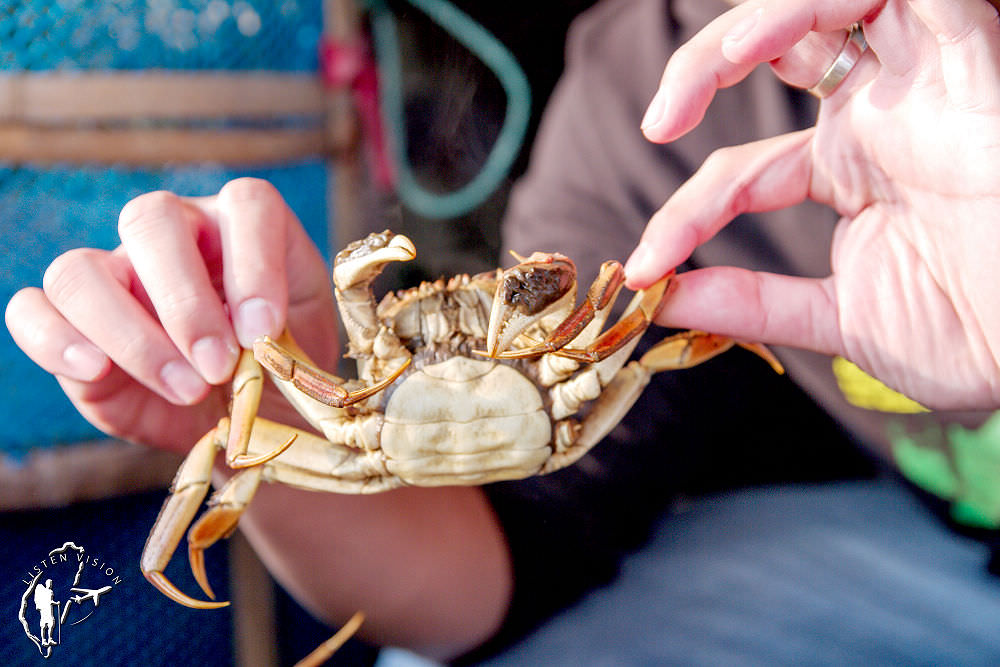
x=842 y=65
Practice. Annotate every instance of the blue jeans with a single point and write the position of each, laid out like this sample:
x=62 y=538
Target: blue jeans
x=842 y=573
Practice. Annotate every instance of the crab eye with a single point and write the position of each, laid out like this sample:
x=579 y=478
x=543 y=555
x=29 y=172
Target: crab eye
x=533 y=289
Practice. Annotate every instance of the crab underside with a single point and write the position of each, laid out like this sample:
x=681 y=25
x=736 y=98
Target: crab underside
x=463 y=381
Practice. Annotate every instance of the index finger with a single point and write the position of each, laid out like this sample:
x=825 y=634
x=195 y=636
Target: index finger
x=730 y=47
x=169 y=245
x=764 y=175
x=270 y=265
x=254 y=223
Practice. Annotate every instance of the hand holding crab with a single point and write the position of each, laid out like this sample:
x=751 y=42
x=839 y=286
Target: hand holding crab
x=144 y=340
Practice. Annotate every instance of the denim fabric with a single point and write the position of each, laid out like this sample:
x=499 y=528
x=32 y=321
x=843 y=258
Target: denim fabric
x=844 y=573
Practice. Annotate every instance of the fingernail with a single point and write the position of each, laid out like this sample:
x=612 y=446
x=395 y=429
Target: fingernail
x=255 y=318
x=182 y=380
x=654 y=113
x=86 y=362
x=213 y=359
x=742 y=28
x=636 y=264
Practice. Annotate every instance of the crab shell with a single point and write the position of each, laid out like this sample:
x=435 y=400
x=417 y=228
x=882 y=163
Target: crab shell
x=453 y=417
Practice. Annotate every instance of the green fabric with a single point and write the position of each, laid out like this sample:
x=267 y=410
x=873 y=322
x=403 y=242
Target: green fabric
x=957 y=464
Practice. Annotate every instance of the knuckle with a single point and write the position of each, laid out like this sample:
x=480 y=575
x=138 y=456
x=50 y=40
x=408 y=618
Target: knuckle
x=17 y=316
x=718 y=157
x=247 y=189
x=69 y=273
x=148 y=211
x=18 y=304
x=181 y=307
x=686 y=57
x=739 y=202
x=137 y=351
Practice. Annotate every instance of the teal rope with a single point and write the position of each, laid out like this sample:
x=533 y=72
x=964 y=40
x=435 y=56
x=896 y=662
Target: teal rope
x=498 y=59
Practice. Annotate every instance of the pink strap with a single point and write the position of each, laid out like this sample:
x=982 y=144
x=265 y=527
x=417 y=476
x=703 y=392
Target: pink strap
x=351 y=65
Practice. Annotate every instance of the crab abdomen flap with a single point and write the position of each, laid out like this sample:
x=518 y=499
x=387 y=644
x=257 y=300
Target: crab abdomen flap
x=465 y=417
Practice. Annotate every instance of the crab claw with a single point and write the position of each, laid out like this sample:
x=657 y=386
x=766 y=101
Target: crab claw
x=362 y=260
x=530 y=290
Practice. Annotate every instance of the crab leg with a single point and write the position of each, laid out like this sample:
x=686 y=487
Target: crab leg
x=683 y=350
x=631 y=325
x=220 y=520
x=248 y=382
x=605 y=355
x=319 y=463
x=324 y=651
x=600 y=297
x=313 y=382
x=614 y=402
x=186 y=495
x=691 y=348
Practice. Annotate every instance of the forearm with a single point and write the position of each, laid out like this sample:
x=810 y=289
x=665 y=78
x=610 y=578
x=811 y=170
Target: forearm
x=428 y=566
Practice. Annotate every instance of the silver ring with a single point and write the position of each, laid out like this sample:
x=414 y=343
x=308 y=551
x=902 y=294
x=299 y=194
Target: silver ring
x=845 y=61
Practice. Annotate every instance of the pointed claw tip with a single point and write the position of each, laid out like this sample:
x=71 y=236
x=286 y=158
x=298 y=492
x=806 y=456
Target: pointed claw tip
x=764 y=353
x=405 y=244
x=165 y=586
x=245 y=461
x=196 y=558
x=518 y=256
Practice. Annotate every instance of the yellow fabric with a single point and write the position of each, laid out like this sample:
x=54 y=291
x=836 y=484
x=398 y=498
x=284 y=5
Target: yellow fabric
x=864 y=391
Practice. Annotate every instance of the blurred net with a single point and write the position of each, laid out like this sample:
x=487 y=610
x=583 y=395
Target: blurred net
x=149 y=34
x=46 y=210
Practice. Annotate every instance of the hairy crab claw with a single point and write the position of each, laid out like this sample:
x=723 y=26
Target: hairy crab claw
x=542 y=284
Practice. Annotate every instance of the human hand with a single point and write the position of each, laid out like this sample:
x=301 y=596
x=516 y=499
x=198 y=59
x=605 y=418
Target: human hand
x=143 y=338
x=904 y=150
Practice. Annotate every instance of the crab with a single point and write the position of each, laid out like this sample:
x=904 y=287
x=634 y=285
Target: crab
x=464 y=381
